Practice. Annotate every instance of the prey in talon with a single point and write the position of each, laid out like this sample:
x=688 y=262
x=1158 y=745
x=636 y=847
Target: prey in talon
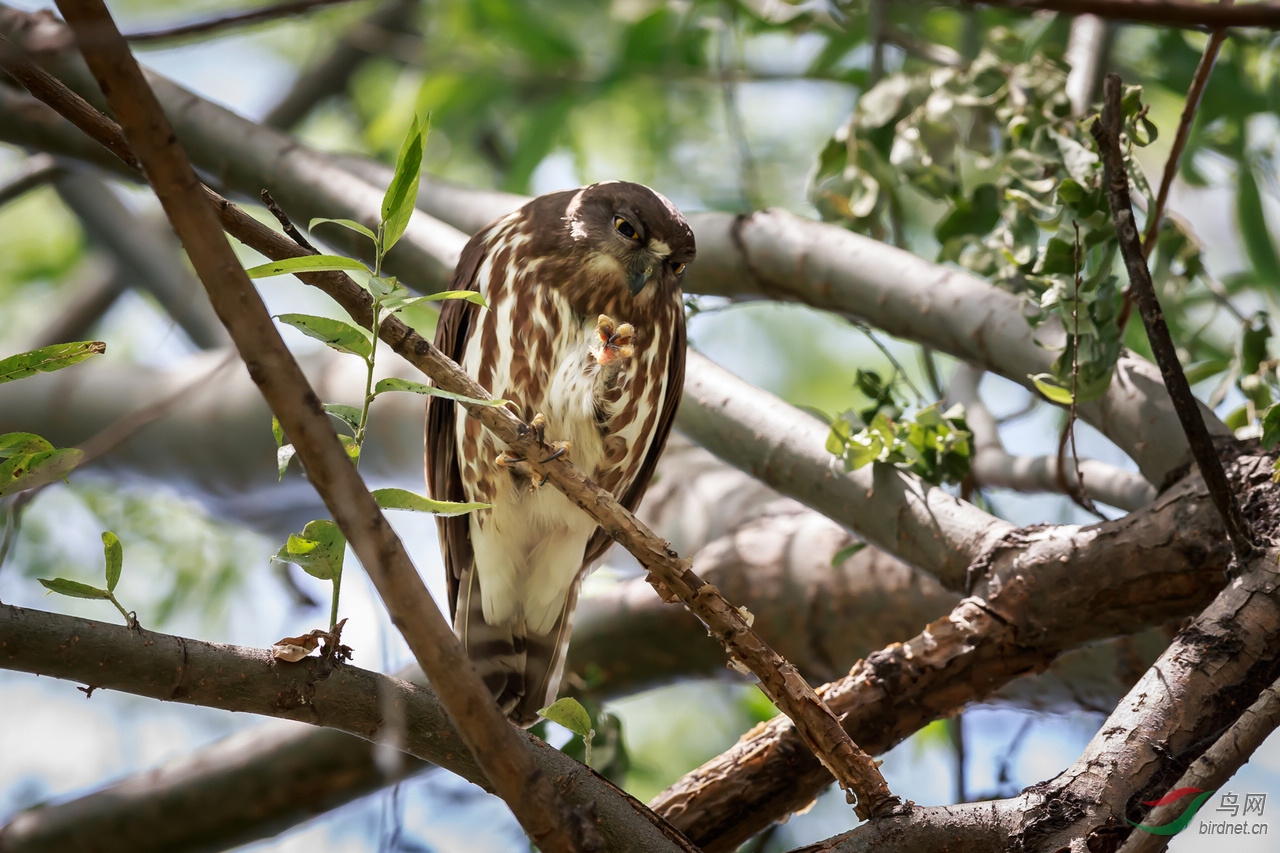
x=584 y=338
x=614 y=343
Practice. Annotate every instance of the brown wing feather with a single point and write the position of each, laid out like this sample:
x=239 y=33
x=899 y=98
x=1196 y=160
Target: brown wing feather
x=601 y=541
x=444 y=478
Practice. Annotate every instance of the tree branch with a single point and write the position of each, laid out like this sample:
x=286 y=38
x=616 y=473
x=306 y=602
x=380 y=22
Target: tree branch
x=1168 y=13
x=230 y=21
x=346 y=699
x=992 y=465
x=507 y=763
x=1030 y=591
x=36 y=171
x=1106 y=131
x=771 y=254
x=779 y=680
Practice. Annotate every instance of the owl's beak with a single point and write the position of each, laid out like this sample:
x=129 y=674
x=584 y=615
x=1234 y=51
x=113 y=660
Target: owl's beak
x=639 y=280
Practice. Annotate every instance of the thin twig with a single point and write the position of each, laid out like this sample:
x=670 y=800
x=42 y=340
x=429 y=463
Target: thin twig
x=1078 y=493
x=1155 y=216
x=1187 y=14
x=35 y=171
x=507 y=762
x=1106 y=130
x=231 y=20
x=286 y=223
x=819 y=729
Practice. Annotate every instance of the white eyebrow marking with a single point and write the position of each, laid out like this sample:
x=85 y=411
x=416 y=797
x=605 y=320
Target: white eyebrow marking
x=659 y=248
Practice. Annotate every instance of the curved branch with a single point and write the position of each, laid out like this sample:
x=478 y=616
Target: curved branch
x=992 y=465
x=345 y=699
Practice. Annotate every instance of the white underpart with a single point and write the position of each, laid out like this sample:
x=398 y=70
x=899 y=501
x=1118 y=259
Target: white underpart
x=530 y=547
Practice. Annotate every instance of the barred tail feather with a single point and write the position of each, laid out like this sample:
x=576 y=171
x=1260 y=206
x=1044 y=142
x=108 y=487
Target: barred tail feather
x=521 y=669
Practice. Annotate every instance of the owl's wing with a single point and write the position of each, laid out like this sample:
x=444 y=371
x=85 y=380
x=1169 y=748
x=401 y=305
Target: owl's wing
x=601 y=541
x=444 y=478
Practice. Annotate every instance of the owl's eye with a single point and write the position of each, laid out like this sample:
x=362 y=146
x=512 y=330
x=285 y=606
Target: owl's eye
x=624 y=228
x=679 y=268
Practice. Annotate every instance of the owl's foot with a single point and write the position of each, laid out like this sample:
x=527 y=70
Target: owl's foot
x=614 y=344
x=519 y=465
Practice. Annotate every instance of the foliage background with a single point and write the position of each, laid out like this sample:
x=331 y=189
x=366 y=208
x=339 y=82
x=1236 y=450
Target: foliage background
x=718 y=107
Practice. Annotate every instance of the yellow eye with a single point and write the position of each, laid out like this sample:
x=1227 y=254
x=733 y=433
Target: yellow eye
x=679 y=268
x=624 y=228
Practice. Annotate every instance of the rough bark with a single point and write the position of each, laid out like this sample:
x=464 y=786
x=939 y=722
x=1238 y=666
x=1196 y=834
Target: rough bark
x=1033 y=598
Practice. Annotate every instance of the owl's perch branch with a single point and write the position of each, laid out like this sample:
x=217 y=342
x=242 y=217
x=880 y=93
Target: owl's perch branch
x=819 y=728
x=1189 y=14
x=232 y=678
x=1106 y=130
x=505 y=759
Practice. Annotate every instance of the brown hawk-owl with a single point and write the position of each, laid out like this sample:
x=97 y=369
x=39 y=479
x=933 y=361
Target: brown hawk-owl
x=585 y=336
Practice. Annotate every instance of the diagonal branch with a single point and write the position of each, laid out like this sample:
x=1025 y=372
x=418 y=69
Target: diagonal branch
x=350 y=699
x=1190 y=14
x=779 y=680
x=1106 y=130
x=507 y=762
x=231 y=20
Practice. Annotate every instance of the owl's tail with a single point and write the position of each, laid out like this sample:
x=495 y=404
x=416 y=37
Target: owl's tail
x=521 y=669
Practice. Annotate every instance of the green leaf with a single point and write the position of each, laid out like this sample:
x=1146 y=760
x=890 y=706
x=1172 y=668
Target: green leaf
x=1253 y=228
x=349 y=224
x=1271 y=427
x=277 y=431
x=349 y=445
x=75 y=589
x=47 y=359
x=306 y=263
x=14 y=443
x=404 y=499
x=349 y=415
x=1049 y=387
x=340 y=335
x=864 y=448
x=284 y=455
x=114 y=554
x=318 y=550
x=402 y=194
x=31 y=470
x=394 y=304
x=393 y=384
x=569 y=713
x=845 y=553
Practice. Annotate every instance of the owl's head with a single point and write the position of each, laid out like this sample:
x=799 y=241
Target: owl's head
x=629 y=229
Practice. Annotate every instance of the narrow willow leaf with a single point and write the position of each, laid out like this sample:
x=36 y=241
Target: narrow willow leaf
x=404 y=499
x=393 y=384
x=342 y=336
x=569 y=713
x=471 y=296
x=845 y=553
x=15 y=443
x=402 y=194
x=1052 y=391
x=75 y=589
x=349 y=415
x=31 y=470
x=284 y=455
x=306 y=263
x=1253 y=229
x=114 y=553
x=277 y=431
x=349 y=224
x=318 y=550
x=48 y=359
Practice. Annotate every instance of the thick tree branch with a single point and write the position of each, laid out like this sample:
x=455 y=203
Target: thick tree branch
x=507 y=763
x=1106 y=131
x=344 y=699
x=1168 y=13
x=992 y=465
x=779 y=680
x=1031 y=591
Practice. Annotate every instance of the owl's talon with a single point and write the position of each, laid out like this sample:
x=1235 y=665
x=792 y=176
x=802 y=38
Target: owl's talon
x=519 y=466
x=558 y=449
x=615 y=342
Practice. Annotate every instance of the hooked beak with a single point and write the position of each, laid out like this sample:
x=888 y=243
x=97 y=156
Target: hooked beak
x=639 y=280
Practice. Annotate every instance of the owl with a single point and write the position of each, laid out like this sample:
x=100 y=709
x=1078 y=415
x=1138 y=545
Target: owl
x=584 y=336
